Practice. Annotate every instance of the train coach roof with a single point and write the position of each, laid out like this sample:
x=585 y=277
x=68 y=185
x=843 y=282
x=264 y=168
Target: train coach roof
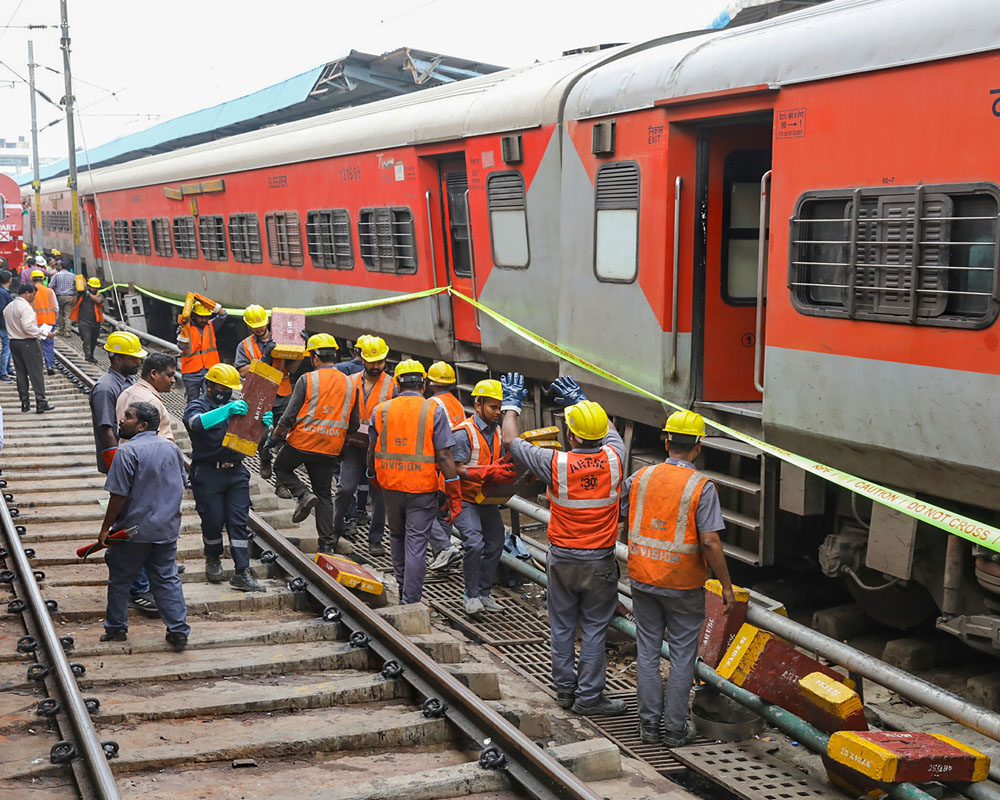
x=839 y=38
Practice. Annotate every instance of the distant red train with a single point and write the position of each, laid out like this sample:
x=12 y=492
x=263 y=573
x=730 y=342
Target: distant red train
x=11 y=223
x=791 y=227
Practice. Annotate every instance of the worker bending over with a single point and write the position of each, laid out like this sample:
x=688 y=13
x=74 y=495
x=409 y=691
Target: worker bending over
x=477 y=452
x=441 y=382
x=199 y=351
x=219 y=480
x=323 y=409
x=410 y=441
x=584 y=485
x=674 y=519
x=88 y=314
x=374 y=387
x=46 y=313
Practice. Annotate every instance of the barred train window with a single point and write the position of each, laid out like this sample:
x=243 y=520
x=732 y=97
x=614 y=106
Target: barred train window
x=616 y=231
x=244 y=238
x=140 y=237
x=387 y=240
x=505 y=200
x=212 y=236
x=926 y=255
x=185 y=241
x=284 y=239
x=328 y=234
x=106 y=235
x=122 y=240
x=457 y=186
x=161 y=237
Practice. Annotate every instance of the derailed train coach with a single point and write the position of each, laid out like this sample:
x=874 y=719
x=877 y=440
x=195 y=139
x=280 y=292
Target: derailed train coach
x=790 y=227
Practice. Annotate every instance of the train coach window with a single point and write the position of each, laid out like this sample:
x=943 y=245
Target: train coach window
x=507 y=205
x=140 y=237
x=328 y=235
x=616 y=231
x=161 y=237
x=741 y=176
x=925 y=255
x=387 y=240
x=212 y=235
x=122 y=239
x=185 y=239
x=106 y=234
x=244 y=238
x=284 y=239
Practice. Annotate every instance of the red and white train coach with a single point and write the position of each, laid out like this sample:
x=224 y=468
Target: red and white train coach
x=613 y=202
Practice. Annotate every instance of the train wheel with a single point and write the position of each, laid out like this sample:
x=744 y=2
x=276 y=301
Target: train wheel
x=902 y=605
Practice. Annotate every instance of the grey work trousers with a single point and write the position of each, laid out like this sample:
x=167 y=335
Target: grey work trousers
x=28 y=364
x=584 y=593
x=125 y=560
x=352 y=470
x=222 y=499
x=482 y=531
x=440 y=537
x=410 y=516
x=681 y=614
x=66 y=303
x=194 y=384
x=320 y=469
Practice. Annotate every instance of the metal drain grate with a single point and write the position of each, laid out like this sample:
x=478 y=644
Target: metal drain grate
x=752 y=775
x=518 y=624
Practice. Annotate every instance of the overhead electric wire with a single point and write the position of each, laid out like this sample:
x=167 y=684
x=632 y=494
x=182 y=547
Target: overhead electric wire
x=11 y=19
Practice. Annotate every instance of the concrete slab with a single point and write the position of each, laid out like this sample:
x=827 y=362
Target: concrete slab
x=442 y=647
x=480 y=678
x=409 y=619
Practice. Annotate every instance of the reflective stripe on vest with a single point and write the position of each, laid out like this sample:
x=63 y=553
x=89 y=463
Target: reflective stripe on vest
x=584 y=499
x=663 y=542
x=381 y=391
x=452 y=407
x=404 y=454
x=45 y=306
x=204 y=352
x=75 y=313
x=321 y=425
x=483 y=453
x=251 y=349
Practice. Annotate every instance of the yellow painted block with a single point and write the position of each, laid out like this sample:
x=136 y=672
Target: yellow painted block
x=981 y=771
x=743 y=653
x=244 y=446
x=861 y=755
x=266 y=371
x=715 y=587
x=829 y=695
x=550 y=432
x=548 y=444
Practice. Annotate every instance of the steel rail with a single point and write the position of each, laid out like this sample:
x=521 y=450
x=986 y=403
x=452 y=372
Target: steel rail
x=87 y=743
x=525 y=762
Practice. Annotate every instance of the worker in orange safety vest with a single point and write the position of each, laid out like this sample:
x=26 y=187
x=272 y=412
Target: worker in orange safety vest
x=441 y=383
x=47 y=313
x=200 y=351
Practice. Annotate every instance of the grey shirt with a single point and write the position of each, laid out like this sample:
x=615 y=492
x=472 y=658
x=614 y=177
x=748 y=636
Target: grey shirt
x=63 y=283
x=298 y=397
x=148 y=471
x=443 y=437
x=461 y=451
x=103 y=399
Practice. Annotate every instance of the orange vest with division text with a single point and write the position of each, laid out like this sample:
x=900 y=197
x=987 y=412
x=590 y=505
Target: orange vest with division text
x=584 y=499
x=251 y=349
x=404 y=453
x=204 y=352
x=45 y=306
x=452 y=407
x=75 y=313
x=663 y=544
x=483 y=452
x=381 y=391
x=321 y=425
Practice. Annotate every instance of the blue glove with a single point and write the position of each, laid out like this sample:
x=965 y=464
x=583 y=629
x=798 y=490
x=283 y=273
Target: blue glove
x=514 y=391
x=268 y=418
x=217 y=416
x=567 y=392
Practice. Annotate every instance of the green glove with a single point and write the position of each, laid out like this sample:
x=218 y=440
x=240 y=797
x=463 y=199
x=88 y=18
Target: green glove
x=268 y=418
x=217 y=416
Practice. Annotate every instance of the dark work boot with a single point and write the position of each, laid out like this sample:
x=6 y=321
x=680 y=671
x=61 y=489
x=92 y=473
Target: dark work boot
x=303 y=506
x=649 y=733
x=178 y=641
x=246 y=581
x=117 y=635
x=604 y=706
x=213 y=569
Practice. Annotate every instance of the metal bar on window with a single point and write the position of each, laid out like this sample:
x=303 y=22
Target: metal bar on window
x=851 y=300
x=915 y=254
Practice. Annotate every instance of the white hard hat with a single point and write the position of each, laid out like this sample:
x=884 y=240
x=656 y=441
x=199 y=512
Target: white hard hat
x=41 y=262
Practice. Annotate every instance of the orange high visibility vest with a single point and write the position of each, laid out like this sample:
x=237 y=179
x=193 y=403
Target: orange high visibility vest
x=483 y=452
x=75 y=313
x=381 y=391
x=45 y=306
x=204 y=352
x=251 y=349
x=452 y=407
x=404 y=454
x=321 y=425
x=584 y=499
x=663 y=544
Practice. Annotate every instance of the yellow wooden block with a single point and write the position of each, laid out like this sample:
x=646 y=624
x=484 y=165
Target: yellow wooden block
x=981 y=770
x=266 y=371
x=244 y=446
x=861 y=755
x=715 y=587
x=829 y=695
x=540 y=433
x=548 y=444
x=742 y=654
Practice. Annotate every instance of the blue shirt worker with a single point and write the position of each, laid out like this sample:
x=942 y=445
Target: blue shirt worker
x=357 y=363
x=477 y=453
x=146 y=484
x=584 y=488
x=674 y=518
x=220 y=481
x=411 y=440
x=63 y=283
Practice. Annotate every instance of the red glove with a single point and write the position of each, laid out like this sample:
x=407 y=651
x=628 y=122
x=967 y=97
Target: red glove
x=498 y=472
x=109 y=456
x=453 y=489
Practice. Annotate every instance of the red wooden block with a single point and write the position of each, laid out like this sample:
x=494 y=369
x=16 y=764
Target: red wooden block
x=260 y=387
x=894 y=757
x=719 y=630
x=287 y=325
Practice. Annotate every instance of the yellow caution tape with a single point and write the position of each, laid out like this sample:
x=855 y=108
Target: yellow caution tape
x=967 y=528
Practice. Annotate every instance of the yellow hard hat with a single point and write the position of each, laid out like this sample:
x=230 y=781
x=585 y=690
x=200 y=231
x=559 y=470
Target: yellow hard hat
x=255 y=316
x=24 y=245
x=361 y=340
x=488 y=388
x=408 y=367
x=201 y=310
x=440 y=372
x=687 y=423
x=374 y=348
x=94 y=282
x=321 y=341
x=37 y=273
x=587 y=420
x=125 y=343
x=224 y=375
x=57 y=252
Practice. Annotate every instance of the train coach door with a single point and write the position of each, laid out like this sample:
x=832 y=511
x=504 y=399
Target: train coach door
x=738 y=156
x=457 y=235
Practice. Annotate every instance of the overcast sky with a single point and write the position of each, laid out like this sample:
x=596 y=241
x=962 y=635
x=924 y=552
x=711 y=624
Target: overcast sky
x=138 y=62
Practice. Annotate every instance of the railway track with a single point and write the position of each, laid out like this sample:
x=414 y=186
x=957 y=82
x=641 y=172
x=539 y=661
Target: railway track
x=301 y=691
